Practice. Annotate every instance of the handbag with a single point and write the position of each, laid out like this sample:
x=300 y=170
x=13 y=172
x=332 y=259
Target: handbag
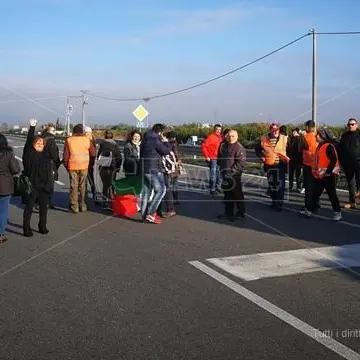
x=105 y=161
x=22 y=185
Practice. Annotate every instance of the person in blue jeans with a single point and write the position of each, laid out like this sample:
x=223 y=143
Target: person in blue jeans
x=152 y=150
x=9 y=167
x=210 y=149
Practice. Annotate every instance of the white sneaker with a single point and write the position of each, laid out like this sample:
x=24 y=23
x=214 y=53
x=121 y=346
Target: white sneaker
x=302 y=191
x=305 y=212
x=337 y=216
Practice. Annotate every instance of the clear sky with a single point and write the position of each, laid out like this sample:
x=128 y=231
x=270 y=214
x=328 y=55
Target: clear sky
x=141 y=48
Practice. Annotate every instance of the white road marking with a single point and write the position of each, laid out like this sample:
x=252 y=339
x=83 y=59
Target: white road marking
x=300 y=243
x=284 y=263
x=281 y=314
x=250 y=175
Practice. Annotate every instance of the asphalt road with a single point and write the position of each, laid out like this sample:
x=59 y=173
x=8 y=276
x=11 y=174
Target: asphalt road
x=100 y=287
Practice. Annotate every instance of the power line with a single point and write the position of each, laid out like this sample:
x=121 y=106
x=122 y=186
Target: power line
x=339 y=33
x=36 y=99
x=204 y=82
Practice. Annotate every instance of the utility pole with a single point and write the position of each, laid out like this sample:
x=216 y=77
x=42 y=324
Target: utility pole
x=83 y=109
x=84 y=101
x=69 y=111
x=67 y=116
x=314 y=79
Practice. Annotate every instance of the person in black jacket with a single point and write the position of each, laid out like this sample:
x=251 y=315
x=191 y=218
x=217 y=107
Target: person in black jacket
x=38 y=167
x=109 y=160
x=295 y=163
x=132 y=154
x=232 y=160
x=9 y=167
x=53 y=151
x=171 y=174
x=90 y=178
x=152 y=150
x=349 y=153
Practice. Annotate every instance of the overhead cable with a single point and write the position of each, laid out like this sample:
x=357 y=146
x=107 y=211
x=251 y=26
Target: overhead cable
x=339 y=33
x=147 y=98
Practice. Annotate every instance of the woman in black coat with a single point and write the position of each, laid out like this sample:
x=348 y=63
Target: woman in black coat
x=132 y=154
x=9 y=167
x=38 y=167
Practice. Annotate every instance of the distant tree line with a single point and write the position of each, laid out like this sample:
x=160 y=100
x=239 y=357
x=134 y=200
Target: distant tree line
x=249 y=133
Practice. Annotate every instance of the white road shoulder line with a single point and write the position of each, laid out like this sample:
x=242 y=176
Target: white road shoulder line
x=250 y=175
x=285 y=263
x=281 y=314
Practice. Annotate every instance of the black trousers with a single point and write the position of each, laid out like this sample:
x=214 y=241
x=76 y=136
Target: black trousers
x=353 y=179
x=309 y=183
x=233 y=196
x=43 y=197
x=168 y=200
x=91 y=180
x=276 y=180
x=328 y=183
x=106 y=178
x=295 y=169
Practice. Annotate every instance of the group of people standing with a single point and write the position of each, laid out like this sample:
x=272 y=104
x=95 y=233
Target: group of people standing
x=313 y=158
x=154 y=157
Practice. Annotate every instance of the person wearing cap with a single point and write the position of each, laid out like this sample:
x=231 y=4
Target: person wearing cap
x=76 y=158
x=272 y=151
x=325 y=171
x=90 y=178
x=307 y=146
x=349 y=154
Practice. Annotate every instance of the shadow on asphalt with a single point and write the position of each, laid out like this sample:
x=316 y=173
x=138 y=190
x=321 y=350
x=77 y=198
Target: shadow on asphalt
x=60 y=200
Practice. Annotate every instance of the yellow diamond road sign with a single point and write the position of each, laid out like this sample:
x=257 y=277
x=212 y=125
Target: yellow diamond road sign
x=140 y=113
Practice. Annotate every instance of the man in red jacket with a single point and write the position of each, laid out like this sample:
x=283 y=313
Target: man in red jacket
x=210 y=150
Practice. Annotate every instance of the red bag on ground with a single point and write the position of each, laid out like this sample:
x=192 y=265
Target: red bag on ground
x=124 y=205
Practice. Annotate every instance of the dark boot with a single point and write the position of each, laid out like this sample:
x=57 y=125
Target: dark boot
x=27 y=230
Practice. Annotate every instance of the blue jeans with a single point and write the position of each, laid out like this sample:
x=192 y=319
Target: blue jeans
x=4 y=212
x=152 y=182
x=215 y=179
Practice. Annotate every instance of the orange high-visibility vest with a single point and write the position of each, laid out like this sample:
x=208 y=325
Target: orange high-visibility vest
x=321 y=162
x=271 y=153
x=79 y=152
x=309 y=155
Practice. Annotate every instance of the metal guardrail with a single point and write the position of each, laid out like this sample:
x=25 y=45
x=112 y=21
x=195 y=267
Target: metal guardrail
x=185 y=150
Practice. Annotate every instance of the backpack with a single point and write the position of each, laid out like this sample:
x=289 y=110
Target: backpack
x=169 y=163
